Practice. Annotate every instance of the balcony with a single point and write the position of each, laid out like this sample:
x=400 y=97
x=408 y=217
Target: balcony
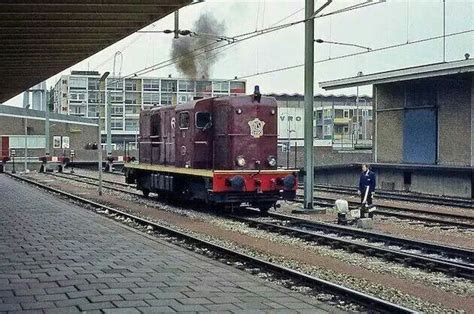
x=342 y=120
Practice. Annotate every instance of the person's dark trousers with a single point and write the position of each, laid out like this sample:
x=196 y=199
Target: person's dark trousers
x=369 y=199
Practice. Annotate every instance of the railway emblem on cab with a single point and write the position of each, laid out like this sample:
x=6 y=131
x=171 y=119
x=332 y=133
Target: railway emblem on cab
x=256 y=127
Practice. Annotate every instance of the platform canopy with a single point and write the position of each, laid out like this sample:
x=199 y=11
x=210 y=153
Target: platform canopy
x=39 y=38
x=406 y=74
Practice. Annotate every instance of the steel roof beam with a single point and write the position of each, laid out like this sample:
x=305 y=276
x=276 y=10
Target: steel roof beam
x=93 y=2
x=94 y=9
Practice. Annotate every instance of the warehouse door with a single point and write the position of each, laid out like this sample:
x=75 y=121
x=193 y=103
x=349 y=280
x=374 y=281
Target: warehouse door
x=420 y=126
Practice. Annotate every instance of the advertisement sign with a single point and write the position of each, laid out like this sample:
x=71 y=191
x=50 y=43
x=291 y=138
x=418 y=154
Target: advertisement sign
x=65 y=143
x=56 y=141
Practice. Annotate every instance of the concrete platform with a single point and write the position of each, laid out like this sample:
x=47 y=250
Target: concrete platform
x=56 y=257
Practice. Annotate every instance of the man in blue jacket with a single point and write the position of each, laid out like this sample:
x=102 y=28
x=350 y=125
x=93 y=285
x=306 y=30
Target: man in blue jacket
x=366 y=185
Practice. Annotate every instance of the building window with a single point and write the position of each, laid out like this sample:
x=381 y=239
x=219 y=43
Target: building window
x=117 y=124
x=116 y=111
x=131 y=85
x=204 y=87
x=151 y=98
x=116 y=97
x=327 y=130
x=115 y=84
x=93 y=84
x=151 y=85
x=327 y=113
x=77 y=97
x=184 y=120
x=77 y=110
x=132 y=109
x=131 y=98
x=93 y=111
x=186 y=86
x=94 y=97
x=168 y=86
x=220 y=87
x=78 y=83
x=237 y=87
x=167 y=99
x=131 y=125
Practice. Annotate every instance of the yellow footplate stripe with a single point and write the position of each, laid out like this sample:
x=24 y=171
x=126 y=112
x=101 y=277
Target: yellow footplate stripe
x=170 y=169
x=201 y=172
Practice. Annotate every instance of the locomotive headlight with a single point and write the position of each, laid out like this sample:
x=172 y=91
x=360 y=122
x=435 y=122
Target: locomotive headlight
x=272 y=161
x=240 y=161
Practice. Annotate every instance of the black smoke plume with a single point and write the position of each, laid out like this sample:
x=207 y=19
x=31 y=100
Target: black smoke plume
x=196 y=63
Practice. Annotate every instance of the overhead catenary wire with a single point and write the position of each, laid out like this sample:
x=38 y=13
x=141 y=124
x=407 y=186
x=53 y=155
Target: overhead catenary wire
x=241 y=37
x=356 y=54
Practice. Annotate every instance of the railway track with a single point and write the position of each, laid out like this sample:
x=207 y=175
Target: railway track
x=425 y=255
x=219 y=252
x=441 y=218
x=427 y=217
x=426 y=199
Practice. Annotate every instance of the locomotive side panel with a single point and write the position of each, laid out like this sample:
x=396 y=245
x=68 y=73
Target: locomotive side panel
x=184 y=137
x=222 y=114
x=144 y=143
x=155 y=137
x=168 y=127
x=203 y=135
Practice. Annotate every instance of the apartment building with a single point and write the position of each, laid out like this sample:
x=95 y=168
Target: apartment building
x=342 y=122
x=81 y=94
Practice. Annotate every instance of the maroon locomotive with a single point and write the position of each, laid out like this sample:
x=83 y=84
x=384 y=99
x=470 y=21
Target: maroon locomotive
x=218 y=150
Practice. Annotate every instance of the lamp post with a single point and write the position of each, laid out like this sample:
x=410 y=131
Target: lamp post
x=12 y=155
x=26 y=139
x=102 y=79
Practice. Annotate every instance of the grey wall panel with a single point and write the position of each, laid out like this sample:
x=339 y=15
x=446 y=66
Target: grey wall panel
x=390 y=136
x=454 y=102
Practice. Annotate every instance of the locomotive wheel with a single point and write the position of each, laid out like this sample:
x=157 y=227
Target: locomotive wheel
x=146 y=192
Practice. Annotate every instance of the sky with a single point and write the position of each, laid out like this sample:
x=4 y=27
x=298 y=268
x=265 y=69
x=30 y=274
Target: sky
x=379 y=25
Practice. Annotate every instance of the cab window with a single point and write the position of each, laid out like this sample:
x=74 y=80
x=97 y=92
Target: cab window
x=184 y=120
x=203 y=120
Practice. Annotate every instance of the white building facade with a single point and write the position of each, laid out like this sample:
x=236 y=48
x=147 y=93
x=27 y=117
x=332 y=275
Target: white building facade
x=80 y=94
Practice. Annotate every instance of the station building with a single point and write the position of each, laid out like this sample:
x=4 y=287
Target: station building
x=340 y=122
x=424 y=129
x=66 y=133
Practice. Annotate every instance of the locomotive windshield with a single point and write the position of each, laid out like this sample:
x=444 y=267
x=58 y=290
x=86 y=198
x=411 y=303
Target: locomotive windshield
x=203 y=120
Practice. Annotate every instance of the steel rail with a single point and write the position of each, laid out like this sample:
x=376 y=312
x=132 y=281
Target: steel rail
x=103 y=180
x=428 y=247
x=434 y=264
x=390 y=211
x=373 y=303
x=393 y=211
x=422 y=261
x=436 y=200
